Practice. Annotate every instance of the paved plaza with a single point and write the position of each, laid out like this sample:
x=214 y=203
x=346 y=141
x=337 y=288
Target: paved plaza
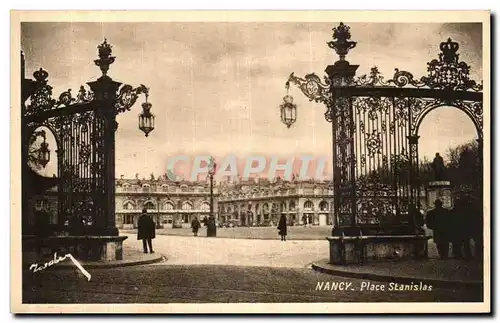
x=200 y=269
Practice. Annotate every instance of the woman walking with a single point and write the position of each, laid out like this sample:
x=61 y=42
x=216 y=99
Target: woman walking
x=195 y=225
x=282 y=227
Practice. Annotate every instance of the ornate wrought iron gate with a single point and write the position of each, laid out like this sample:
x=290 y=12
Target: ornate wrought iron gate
x=375 y=131
x=84 y=129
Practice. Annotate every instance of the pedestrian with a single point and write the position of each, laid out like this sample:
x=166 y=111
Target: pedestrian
x=310 y=220
x=146 y=231
x=195 y=225
x=282 y=227
x=304 y=220
x=438 y=220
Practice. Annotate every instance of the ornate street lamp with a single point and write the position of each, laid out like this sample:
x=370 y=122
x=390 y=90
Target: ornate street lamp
x=146 y=118
x=211 y=226
x=44 y=153
x=288 y=109
x=84 y=128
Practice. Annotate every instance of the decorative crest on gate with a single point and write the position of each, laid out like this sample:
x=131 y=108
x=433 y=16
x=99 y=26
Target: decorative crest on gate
x=444 y=73
x=41 y=98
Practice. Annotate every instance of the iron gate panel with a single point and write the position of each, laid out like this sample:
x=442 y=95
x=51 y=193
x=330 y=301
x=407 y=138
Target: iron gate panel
x=375 y=129
x=84 y=130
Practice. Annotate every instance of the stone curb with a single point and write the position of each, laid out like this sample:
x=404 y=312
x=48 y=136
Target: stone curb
x=322 y=267
x=111 y=264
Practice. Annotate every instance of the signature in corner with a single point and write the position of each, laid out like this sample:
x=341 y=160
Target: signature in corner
x=37 y=267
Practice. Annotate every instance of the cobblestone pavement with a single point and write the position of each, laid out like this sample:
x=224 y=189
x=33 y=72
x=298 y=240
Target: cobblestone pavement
x=212 y=283
x=240 y=252
x=201 y=269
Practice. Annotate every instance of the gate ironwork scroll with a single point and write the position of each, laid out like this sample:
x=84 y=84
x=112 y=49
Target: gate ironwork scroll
x=375 y=126
x=84 y=130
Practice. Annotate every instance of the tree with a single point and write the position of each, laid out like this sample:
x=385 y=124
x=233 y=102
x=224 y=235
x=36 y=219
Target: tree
x=464 y=169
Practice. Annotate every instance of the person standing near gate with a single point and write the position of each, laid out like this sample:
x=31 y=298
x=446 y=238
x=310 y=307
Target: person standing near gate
x=282 y=227
x=304 y=220
x=310 y=218
x=195 y=225
x=438 y=221
x=146 y=231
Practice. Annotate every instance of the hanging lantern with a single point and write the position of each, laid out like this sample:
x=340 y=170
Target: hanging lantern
x=211 y=166
x=146 y=119
x=44 y=154
x=288 y=111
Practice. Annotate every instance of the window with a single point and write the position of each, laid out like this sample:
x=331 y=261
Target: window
x=128 y=205
x=41 y=204
x=187 y=206
x=149 y=205
x=126 y=187
x=292 y=206
x=205 y=206
x=283 y=207
x=323 y=206
x=169 y=206
x=145 y=187
x=308 y=206
x=164 y=188
x=128 y=219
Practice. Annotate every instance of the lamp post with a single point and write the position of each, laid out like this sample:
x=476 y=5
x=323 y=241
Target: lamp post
x=211 y=226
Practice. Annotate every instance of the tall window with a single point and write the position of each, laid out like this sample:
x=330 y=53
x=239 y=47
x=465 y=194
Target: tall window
x=169 y=206
x=308 y=206
x=292 y=206
x=128 y=219
x=323 y=206
x=283 y=207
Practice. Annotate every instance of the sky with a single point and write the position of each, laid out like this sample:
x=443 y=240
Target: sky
x=216 y=87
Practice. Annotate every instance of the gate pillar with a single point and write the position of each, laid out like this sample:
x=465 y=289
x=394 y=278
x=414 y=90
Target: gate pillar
x=105 y=90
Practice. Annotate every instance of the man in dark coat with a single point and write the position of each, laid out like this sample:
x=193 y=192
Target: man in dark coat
x=310 y=218
x=146 y=231
x=195 y=225
x=438 y=221
x=282 y=227
x=304 y=220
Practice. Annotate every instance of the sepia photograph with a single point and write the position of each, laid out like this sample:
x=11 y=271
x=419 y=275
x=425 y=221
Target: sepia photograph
x=215 y=162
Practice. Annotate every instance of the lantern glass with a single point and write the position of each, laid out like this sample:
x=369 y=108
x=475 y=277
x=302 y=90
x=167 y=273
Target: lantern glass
x=44 y=154
x=146 y=123
x=288 y=111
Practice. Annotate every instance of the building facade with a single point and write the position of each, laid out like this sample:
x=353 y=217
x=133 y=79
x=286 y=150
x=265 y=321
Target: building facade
x=263 y=203
x=251 y=203
x=170 y=203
